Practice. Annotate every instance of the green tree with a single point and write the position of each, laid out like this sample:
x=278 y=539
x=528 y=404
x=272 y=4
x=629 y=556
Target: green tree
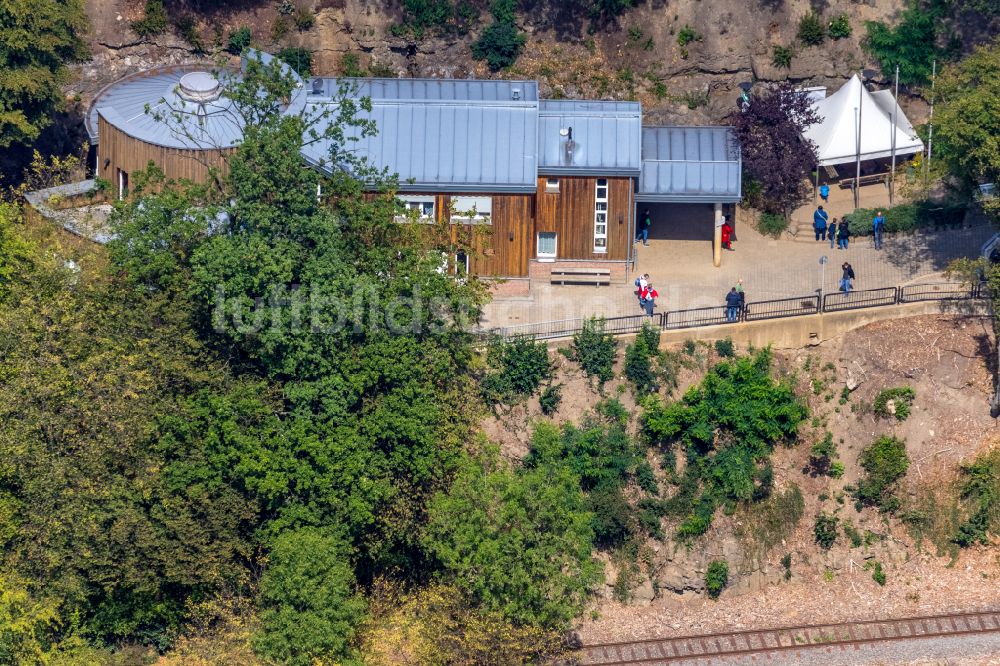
x=911 y=43
x=309 y=604
x=501 y=42
x=36 y=40
x=885 y=462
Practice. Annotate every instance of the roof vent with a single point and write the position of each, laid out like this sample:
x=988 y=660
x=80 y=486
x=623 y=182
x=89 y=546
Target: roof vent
x=199 y=87
x=317 y=88
x=515 y=94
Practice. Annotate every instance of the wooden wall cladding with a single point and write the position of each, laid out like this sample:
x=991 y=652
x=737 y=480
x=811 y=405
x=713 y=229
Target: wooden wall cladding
x=570 y=213
x=118 y=150
x=503 y=247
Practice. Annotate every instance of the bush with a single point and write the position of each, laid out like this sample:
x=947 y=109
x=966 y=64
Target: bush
x=645 y=477
x=885 y=462
x=822 y=454
x=612 y=516
x=878 y=573
x=651 y=335
x=725 y=348
x=840 y=27
x=350 y=65
x=911 y=43
x=811 y=31
x=638 y=367
x=594 y=349
x=304 y=19
x=279 y=29
x=852 y=533
x=772 y=224
x=550 y=398
x=298 y=58
x=907 y=217
x=499 y=45
x=716 y=578
x=419 y=15
x=687 y=35
x=154 y=20
x=239 y=40
x=901 y=397
x=825 y=531
x=781 y=56
x=764 y=525
x=981 y=491
x=786 y=562
x=187 y=28
x=519 y=367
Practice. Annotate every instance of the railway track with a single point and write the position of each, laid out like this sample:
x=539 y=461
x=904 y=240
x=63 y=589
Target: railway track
x=763 y=641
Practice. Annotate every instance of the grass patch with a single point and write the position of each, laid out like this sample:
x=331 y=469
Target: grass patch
x=885 y=462
x=894 y=402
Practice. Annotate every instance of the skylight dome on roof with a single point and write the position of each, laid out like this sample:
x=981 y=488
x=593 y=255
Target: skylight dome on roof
x=199 y=87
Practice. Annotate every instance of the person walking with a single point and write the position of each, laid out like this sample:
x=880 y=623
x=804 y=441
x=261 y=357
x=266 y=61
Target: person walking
x=727 y=234
x=878 y=226
x=649 y=299
x=824 y=193
x=641 y=283
x=846 y=277
x=645 y=222
x=820 y=220
x=739 y=286
x=734 y=303
x=831 y=232
x=843 y=234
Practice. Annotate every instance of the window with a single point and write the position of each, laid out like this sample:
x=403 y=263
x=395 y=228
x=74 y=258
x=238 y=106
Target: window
x=472 y=209
x=546 y=245
x=423 y=205
x=122 y=184
x=552 y=186
x=461 y=264
x=601 y=216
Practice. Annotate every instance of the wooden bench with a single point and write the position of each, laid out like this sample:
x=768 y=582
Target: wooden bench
x=592 y=276
x=871 y=179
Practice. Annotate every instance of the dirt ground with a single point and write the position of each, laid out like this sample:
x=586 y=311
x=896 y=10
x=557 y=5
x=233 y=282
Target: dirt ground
x=946 y=360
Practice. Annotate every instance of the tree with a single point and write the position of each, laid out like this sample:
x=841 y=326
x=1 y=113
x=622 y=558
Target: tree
x=967 y=118
x=501 y=42
x=36 y=39
x=310 y=607
x=777 y=159
x=910 y=44
x=517 y=542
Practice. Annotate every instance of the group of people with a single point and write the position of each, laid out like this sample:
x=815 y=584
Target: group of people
x=646 y=293
x=833 y=230
x=736 y=301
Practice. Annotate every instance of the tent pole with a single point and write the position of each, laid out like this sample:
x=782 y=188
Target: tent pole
x=857 y=170
x=895 y=105
x=930 y=124
x=816 y=186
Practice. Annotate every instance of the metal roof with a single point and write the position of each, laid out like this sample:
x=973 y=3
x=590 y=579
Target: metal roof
x=442 y=135
x=589 y=138
x=690 y=165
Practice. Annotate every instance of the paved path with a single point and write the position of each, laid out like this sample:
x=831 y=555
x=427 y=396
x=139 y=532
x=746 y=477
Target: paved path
x=682 y=271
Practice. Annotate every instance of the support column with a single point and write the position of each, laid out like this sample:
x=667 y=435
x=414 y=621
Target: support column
x=717 y=238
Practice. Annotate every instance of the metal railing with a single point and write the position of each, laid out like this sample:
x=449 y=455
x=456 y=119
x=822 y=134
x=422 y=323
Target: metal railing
x=781 y=308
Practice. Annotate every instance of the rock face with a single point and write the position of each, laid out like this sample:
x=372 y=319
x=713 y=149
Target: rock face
x=640 y=56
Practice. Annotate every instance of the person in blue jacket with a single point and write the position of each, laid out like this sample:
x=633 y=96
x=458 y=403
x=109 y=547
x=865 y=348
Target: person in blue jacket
x=821 y=220
x=824 y=192
x=878 y=226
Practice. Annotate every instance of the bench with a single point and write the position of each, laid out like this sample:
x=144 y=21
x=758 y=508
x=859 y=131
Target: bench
x=872 y=179
x=592 y=276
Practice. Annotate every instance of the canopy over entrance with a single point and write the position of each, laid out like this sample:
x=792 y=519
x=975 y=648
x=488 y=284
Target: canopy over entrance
x=836 y=135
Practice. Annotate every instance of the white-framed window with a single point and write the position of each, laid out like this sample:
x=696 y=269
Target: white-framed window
x=122 y=184
x=552 y=186
x=461 y=263
x=546 y=245
x=601 y=216
x=472 y=209
x=423 y=205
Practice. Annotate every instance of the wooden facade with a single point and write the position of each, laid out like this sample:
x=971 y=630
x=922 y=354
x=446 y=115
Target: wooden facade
x=118 y=152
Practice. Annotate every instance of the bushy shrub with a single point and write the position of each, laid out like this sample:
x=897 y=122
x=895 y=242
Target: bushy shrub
x=786 y=562
x=279 y=28
x=822 y=455
x=981 y=490
x=645 y=477
x=911 y=43
x=187 y=28
x=878 y=573
x=612 y=516
x=519 y=366
x=840 y=26
x=901 y=397
x=154 y=19
x=651 y=335
x=298 y=58
x=687 y=35
x=811 y=30
x=499 y=45
x=419 y=15
x=907 y=217
x=594 y=349
x=716 y=578
x=304 y=19
x=350 y=65
x=772 y=224
x=639 y=367
x=725 y=348
x=825 y=531
x=884 y=462
x=550 y=398
x=781 y=56
x=239 y=40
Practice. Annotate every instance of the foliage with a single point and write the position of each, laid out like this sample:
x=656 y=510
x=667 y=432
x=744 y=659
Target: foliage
x=878 y=573
x=840 y=26
x=786 y=562
x=603 y=12
x=852 y=533
x=901 y=397
x=781 y=56
x=517 y=542
x=239 y=40
x=825 y=530
x=980 y=490
x=884 y=462
x=725 y=348
x=687 y=34
x=500 y=43
x=728 y=424
x=154 y=20
x=17 y=253
x=766 y=524
x=309 y=604
x=304 y=19
x=639 y=367
x=550 y=398
x=187 y=27
x=594 y=349
x=822 y=455
x=716 y=577
x=811 y=29
x=419 y=15
x=967 y=117
x=772 y=224
x=36 y=38
x=774 y=153
x=911 y=43
x=298 y=58
x=907 y=217
x=518 y=367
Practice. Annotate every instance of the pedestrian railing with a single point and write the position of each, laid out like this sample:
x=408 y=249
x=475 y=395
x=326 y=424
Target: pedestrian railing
x=720 y=315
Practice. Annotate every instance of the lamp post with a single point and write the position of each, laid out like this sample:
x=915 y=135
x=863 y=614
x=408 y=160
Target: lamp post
x=822 y=277
x=930 y=123
x=895 y=105
x=865 y=75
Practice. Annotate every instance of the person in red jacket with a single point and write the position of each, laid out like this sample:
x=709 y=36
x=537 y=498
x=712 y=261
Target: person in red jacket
x=727 y=234
x=649 y=296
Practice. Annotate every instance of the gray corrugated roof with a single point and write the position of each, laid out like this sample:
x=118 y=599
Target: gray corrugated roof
x=605 y=138
x=690 y=164
x=446 y=135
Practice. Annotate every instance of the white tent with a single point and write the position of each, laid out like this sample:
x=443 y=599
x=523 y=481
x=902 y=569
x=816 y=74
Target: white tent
x=836 y=135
